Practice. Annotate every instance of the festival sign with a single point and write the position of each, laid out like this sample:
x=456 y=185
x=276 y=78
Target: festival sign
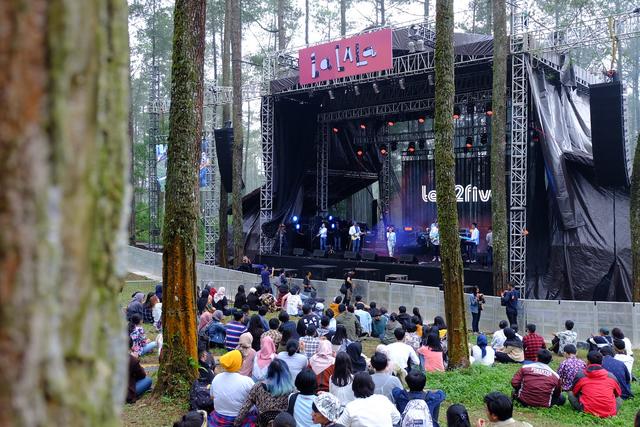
x=364 y=53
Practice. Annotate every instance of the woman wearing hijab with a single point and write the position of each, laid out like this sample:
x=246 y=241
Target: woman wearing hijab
x=322 y=364
x=220 y=301
x=389 y=330
x=135 y=306
x=263 y=358
x=358 y=362
x=248 y=354
x=203 y=323
x=512 y=350
x=203 y=300
x=481 y=353
x=159 y=291
x=253 y=299
x=214 y=329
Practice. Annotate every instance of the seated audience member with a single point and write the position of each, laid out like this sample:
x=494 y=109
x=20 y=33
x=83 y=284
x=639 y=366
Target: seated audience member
x=340 y=383
x=300 y=403
x=141 y=344
x=339 y=340
x=442 y=327
x=262 y=313
x=418 y=324
x=350 y=322
x=364 y=317
x=623 y=355
x=245 y=347
x=481 y=353
x=431 y=354
x=147 y=307
x=532 y=342
x=322 y=364
x=193 y=419
x=246 y=315
x=240 y=298
x=256 y=330
x=159 y=291
x=416 y=314
x=326 y=408
x=220 y=301
x=156 y=311
x=229 y=390
x=617 y=334
x=287 y=328
x=234 y=329
x=253 y=299
x=384 y=381
x=358 y=362
x=619 y=370
x=389 y=330
x=570 y=367
x=411 y=336
x=139 y=382
x=358 y=300
x=335 y=304
x=563 y=338
x=457 y=416
x=294 y=302
x=270 y=397
x=378 y=324
x=403 y=317
x=603 y=339
x=596 y=391
x=308 y=318
x=310 y=341
x=498 y=339
x=500 y=412
x=285 y=419
x=536 y=384
x=263 y=359
x=294 y=360
x=332 y=320
x=512 y=351
x=273 y=332
x=416 y=382
x=323 y=330
x=401 y=353
x=368 y=409
x=515 y=329
x=135 y=306
x=215 y=330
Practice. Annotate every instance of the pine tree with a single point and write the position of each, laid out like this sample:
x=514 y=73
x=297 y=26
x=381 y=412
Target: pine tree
x=238 y=134
x=635 y=221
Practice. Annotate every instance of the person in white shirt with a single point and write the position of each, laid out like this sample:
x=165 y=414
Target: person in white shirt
x=434 y=238
x=341 y=382
x=368 y=409
x=322 y=233
x=391 y=240
x=294 y=303
x=623 y=355
x=400 y=353
x=229 y=389
x=354 y=233
x=475 y=242
x=481 y=353
x=497 y=342
x=364 y=317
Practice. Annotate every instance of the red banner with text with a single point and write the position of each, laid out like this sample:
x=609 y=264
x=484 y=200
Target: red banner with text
x=364 y=53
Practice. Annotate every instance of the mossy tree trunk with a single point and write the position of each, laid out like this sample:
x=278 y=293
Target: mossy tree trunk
x=452 y=274
x=178 y=360
x=498 y=142
x=238 y=137
x=63 y=211
x=226 y=117
x=635 y=221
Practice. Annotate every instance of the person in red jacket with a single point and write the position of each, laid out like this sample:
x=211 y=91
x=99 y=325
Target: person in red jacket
x=596 y=390
x=536 y=384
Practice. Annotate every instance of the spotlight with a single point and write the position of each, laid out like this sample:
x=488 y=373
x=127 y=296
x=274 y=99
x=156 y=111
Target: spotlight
x=331 y=95
x=363 y=126
x=383 y=150
x=330 y=218
x=421 y=120
x=297 y=226
x=488 y=110
x=456 y=112
x=335 y=130
x=333 y=226
x=412 y=47
x=356 y=90
x=390 y=123
x=376 y=90
x=359 y=151
x=401 y=84
x=394 y=146
x=484 y=138
x=420 y=45
x=295 y=218
x=421 y=143
x=412 y=148
x=430 y=79
x=469 y=142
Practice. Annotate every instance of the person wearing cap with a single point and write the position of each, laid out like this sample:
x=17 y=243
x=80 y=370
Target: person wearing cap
x=326 y=409
x=229 y=390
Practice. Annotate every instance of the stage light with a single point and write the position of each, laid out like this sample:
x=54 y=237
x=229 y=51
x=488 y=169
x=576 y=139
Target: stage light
x=407 y=228
x=297 y=226
x=484 y=138
x=331 y=95
x=356 y=90
x=376 y=90
x=412 y=47
x=394 y=146
x=295 y=218
x=488 y=110
x=420 y=45
x=333 y=226
x=421 y=120
x=401 y=84
x=456 y=112
x=469 y=142
x=390 y=123
x=421 y=143
x=335 y=130
x=383 y=150
x=330 y=218
x=412 y=148
x=363 y=126
x=359 y=152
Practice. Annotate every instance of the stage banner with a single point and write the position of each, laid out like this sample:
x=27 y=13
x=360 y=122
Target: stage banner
x=364 y=53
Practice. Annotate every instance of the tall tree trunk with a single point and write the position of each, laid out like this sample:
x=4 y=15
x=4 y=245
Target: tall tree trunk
x=635 y=222
x=177 y=369
x=214 y=45
x=132 y=182
x=282 y=37
x=498 y=142
x=473 y=15
x=382 y=13
x=226 y=117
x=343 y=18
x=238 y=137
x=452 y=274
x=306 y=22
x=426 y=9
x=63 y=211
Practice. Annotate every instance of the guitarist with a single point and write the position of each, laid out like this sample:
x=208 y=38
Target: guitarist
x=355 y=234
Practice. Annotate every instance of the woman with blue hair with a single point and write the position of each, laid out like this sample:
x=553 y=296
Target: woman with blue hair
x=271 y=396
x=481 y=353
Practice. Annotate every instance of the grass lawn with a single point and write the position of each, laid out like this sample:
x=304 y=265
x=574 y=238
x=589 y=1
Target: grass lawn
x=467 y=386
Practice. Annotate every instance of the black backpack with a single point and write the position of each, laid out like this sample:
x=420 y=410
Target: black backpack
x=200 y=397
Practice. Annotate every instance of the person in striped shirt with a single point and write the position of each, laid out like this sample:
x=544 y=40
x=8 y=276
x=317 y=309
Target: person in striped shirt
x=235 y=328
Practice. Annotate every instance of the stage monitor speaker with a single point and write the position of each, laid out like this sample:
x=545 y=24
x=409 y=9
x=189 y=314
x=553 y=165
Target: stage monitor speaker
x=350 y=255
x=298 y=251
x=368 y=256
x=407 y=259
x=607 y=134
x=224 y=144
x=319 y=253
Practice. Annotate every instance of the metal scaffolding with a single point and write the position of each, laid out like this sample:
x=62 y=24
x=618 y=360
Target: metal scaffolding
x=213 y=95
x=266 y=191
x=322 y=172
x=153 y=110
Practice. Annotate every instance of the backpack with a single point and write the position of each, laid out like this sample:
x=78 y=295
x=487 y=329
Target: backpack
x=416 y=414
x=200 y=397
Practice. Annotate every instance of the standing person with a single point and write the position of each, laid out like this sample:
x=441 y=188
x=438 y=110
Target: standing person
x=355 y=234
x=347 y=288
x=434 y=238
x=307 y=288
x=322 y=233
x=510 y=299
x=476 y=301
x=228 y=390
x=265 y=279
x=391 y=240
x=489 y=239
x=475 y=242
x=368 y=409
x=282 y=239
x=532 y=342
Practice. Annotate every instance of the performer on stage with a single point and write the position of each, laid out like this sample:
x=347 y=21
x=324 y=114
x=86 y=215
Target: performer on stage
x=391 y=240
x=282 y=239
x=355 y=234
x=323 y=236
x=474 y=242
x=489 y=239
x=434 y=238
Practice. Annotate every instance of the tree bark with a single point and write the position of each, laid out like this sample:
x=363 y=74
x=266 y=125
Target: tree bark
x=452 y=273
x=238 y=137
x=226 y=117
x=498 y=142
x=343 y=18
x=282 y=39
x=382 y=12
x=635 y=222
x=426 y=9
x=63 y=211
x=306 y=22
x=179 y=356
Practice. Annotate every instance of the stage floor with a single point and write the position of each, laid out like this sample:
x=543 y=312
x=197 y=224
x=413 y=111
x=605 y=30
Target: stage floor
x=424 y=274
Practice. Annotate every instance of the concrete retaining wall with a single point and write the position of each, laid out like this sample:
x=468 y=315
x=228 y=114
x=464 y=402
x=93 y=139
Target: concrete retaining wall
x=549 y=316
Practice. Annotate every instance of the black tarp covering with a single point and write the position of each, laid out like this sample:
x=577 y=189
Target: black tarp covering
x=579 y=243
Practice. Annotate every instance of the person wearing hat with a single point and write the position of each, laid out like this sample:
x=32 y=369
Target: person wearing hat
x=229 y=390
x=326 y=409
